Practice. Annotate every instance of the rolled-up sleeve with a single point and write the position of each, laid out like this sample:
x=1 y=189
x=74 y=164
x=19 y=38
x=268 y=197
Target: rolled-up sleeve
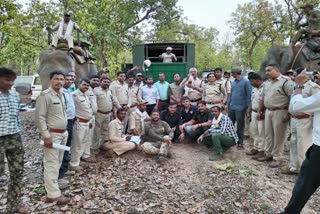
x=298 y=104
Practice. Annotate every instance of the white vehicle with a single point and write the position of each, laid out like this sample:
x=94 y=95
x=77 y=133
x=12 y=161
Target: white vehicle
x=29 y=88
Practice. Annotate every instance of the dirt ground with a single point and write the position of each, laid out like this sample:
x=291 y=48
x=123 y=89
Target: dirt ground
x=135 y=183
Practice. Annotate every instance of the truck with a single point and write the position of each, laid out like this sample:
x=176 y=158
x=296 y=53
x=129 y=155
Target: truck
x=151 y=50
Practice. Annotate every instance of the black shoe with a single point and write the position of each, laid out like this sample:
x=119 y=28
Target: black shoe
x=160 y=158
x=169 y=155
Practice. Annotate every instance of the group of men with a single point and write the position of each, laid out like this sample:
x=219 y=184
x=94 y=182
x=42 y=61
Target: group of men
x=100 y=117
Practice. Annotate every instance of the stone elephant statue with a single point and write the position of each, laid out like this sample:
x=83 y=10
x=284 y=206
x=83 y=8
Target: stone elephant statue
x=61 y=60
x=288 y=59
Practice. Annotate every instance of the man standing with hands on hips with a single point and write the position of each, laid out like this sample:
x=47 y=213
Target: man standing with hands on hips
x=309 y=177
x=51 y=121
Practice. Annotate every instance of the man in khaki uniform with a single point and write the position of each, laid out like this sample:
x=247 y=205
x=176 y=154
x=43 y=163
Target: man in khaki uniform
x=193 y=86
x=256 y=126
x=137 y=118
x=301 y=132
x=94 y=82
x=213 y=92
x=118 y=142
x=158 y=136
x=51 y=121
x=276 y=94
x=82 y=125
x=120 y=89
x=105 y=102
x=175 y=90
x=134 y=95
x=226 y=84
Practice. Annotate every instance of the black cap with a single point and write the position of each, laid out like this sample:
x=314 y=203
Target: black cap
x=290 y=72
x=67 y=14
x=307 y=5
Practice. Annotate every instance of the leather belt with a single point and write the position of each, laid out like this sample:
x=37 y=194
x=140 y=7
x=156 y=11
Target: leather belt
x=135 y=105
x=60 y=131
x=212 y=103
x=254 y=110
x=195 y=100
x=81 y=120
x=302 y=116
x=164 y=100
x=107 y=112
x=278 y=108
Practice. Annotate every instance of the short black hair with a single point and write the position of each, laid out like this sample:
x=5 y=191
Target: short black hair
x=201 y=102
x=56 y=72
x=209 y=75
x=68 y=75
x=149 y=77
x=176 y=74
x=6 y=72
x=84 y=79
x=217 y=107
x=120 y=110
x=130 y=76
x=121 y=72
x=172 y=103
x=185 y=98
x=254 y=76
x=155 y=110
x=217 y=69
x=94 y=76
x=274 y=65
x=102 y=72
x=105 y=78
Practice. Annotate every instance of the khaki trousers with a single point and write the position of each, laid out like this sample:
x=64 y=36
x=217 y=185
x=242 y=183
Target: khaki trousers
x=257 y=133
x=69 y=39
x=275 y=132
x=301 y=140
x=120 y=147
x=155 y=148
x=52 y=161
x=81 y=141
x=101 y=131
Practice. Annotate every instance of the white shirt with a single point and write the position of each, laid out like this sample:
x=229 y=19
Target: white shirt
x=150 y=94
x=308 y=105
x=168 y=57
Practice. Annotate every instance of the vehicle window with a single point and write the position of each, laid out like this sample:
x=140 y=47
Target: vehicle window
x=37 y=81
x=23 y=79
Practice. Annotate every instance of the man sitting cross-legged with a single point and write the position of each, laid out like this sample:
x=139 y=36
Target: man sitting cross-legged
x=221 y=135
x=158 y=135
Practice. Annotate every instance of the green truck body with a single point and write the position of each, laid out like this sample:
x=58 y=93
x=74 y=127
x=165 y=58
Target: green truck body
x=185 y=53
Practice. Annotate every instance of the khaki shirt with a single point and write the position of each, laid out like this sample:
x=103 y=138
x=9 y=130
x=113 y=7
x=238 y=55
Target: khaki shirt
x=176 y=90
x=214 y=92
x=136 y=121
x=93 y=100
x=276 y=93
x=120 y=91
x=105 y=99
x=226 y=84
x=116 y=131
x=83 y=105
x=256 y=97
x=50 y=112
x=134 y=95
x=191 y=93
